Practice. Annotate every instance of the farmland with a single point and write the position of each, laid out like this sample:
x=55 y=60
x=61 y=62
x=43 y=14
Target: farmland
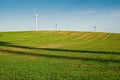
x=59 y=55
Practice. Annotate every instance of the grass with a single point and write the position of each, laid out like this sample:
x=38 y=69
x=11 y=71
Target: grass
x=59 y=55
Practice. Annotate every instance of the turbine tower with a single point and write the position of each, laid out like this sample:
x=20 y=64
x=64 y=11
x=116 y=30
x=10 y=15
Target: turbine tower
x=36 y=21
x=95 y=28
x=56 y=26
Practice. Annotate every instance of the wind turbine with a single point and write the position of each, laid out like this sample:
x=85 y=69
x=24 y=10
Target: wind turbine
x=36 y=16
x=94 y=27
x=56 y=26
x=36 y=21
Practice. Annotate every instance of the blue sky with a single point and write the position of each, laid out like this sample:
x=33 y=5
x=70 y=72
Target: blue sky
x=74 y=15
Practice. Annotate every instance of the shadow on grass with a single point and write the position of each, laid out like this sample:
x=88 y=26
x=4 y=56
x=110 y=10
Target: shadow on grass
x=7 y=44
x=60 y=56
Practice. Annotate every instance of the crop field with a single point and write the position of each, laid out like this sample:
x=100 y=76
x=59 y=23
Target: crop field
x=59 y=55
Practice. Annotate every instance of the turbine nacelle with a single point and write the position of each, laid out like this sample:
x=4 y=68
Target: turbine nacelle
x=36 y=15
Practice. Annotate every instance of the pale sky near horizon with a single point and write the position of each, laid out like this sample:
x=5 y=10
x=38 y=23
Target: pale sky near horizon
x=73 y=15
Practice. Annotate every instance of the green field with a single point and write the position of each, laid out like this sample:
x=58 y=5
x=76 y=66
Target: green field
x=59 y=55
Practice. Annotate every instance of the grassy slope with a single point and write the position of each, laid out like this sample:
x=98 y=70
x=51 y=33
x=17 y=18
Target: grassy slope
x=51 y=55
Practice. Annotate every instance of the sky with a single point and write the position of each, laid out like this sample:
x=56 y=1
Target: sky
x=72 y=15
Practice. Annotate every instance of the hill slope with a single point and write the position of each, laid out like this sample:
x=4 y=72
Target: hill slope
x=59 y=55
x=59 y=39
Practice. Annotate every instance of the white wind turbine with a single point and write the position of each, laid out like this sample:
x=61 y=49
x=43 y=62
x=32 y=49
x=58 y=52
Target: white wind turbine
x=36 y=16
x=36 y=21
x=95 y=27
